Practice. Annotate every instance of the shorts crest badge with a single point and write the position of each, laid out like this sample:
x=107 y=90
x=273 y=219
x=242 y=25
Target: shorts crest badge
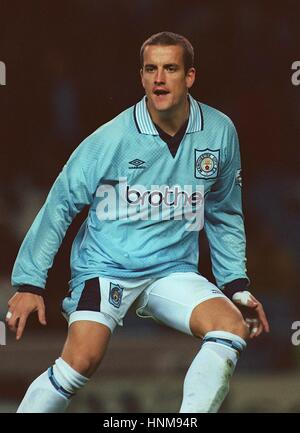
x=206 y=163
x=115 y=295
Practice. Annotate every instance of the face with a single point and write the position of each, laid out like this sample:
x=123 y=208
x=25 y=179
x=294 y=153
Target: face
x=164 y=79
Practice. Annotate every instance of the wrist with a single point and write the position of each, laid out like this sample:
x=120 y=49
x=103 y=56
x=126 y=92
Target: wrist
x=28 y=288
x=238 y=285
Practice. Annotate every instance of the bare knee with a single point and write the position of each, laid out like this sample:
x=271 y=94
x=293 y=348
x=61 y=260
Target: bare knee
x=236 y=327
x=85 y=346
x=83 y=363
x=218 y=315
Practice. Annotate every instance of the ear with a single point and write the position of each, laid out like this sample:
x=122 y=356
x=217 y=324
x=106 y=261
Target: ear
x=190 y=77
x=142 y=77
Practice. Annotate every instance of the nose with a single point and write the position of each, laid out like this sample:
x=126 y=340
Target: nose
x=160 y=77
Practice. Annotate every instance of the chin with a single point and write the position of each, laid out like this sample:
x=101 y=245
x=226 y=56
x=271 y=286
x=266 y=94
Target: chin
x=162 y=107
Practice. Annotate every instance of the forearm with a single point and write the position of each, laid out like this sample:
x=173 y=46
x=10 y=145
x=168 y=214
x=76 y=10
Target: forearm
x=228 y=250
x=66 y=198
x=40 y=246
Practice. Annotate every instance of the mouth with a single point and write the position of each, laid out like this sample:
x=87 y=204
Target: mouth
x=160 y=92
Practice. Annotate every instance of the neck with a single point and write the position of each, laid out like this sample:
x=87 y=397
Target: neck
x=170 y=121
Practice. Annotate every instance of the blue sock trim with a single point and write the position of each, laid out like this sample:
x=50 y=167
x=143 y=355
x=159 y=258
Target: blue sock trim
x=236 y=345
x=57 y=386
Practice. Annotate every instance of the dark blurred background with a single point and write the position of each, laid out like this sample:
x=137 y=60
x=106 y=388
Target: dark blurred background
x=73 y=65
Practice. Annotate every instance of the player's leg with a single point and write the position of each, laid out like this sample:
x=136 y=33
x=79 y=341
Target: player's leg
x=217 y=313
x=83 y=351
x=85 y=346
x=189 y=303
x=93 y=309
x=88 y=335
x=224 y=332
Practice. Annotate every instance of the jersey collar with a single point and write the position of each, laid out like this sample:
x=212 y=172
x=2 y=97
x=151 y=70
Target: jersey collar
x=145 y=125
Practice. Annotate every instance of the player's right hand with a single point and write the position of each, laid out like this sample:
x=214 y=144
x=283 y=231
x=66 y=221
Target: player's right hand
x=253 y=313
x=20 y=306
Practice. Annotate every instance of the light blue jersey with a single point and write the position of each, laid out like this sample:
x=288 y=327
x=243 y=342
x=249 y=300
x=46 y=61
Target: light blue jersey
x=143 y=202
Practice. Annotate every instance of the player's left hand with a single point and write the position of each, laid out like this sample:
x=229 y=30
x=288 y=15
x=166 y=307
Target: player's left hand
x=253 y=313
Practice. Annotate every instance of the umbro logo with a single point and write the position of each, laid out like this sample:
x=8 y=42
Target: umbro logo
x=136 y=164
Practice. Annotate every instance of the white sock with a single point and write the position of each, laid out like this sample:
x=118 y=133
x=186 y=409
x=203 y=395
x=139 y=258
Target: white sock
x=207 y=381
x=52 y=390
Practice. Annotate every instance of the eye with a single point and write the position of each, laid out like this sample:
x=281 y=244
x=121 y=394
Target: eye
x=149 y=68
x=171 y=68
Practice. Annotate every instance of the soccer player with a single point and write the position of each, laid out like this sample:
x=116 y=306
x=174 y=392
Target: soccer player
x=149 y=176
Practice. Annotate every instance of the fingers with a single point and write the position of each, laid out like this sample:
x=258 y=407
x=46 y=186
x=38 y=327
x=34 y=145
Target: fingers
x=259 y=322
x=20 y=306
x=262 y=318
x=262 y=315
x=255 y=327
x=245 y=298
x=42 y=315
x=257 y=330
x=10 y=319
x=13 y=300
x=16 y=323
x=21 y=327
x=8 y=316
x=252 y=302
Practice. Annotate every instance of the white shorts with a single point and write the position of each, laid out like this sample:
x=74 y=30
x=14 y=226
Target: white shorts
x=169 y=300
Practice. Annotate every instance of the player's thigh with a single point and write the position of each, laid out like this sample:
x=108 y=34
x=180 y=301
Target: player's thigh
x=85 y=345
x=217 y=314
x=93 y=309
x=172 y=299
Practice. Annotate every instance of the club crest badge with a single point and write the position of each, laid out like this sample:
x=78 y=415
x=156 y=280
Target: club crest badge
x=206 y=163
x=115 y=295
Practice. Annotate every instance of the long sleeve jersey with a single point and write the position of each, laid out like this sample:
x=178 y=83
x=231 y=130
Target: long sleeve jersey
x=146 y=205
